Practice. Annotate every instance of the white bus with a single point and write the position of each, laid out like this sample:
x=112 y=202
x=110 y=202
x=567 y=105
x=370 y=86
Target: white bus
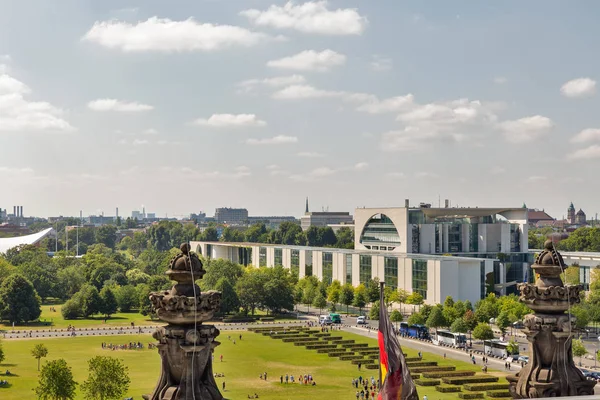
x=450 y=338
x=497 y=348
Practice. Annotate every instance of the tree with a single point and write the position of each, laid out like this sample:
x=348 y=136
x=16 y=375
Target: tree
x=436 y=318
x=571 y=275
x=416 y=319
x=579 y=349
x=374 y=312
x=250 y=289
x=459 y=326
x=2 y=356
x=487 y=308
x=277 y=288
x=39 y=351
x=136 y=276
x=449 y=302
x=582 y=316
x=220 y=268
x=373 y=290
x=334 y=292
x=483 y=331
x=415 y=298
x=327 y=236
x=70 y=281
x=347 y=295
x=229 y=298
x=512 y=347
x=18 y=300
x=308 y=294
x=319 y=302
x=503 y=322
x=108 y=379
x=107 y=235
x=209 y=235
x=43 y=275
x=56 y=381
x=127 y=298
x=312 y=236
x=72 y=308
x=470 y=319
x=109 y=302
x=397 y=317
x=345 y=238
x=90 y=300
x=360 y=297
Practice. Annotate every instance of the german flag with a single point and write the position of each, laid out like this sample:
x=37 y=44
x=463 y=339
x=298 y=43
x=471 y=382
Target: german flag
x=396 y=383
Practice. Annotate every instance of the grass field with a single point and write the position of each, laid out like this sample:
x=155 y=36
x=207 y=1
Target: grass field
x=54 y=319
x=242 y=364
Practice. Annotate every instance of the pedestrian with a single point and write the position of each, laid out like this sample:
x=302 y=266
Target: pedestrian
x=357 y=395
x=286 y=378
x=265 y=376
x=223 y=385
x=240 y=336
x=281 y=379
x=359 y=364
x=221 y=357
x=425 y=397
x=444 y=356
x=233 y=341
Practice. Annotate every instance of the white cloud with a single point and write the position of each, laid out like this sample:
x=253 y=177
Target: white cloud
x=167 y=36
x=380 y=64
x=310 y=60
x=580 y=87
x=273 y=167
x=526 y=129
x=20 y=114
x=301 y=92
x=497 y=170
x=15 y=171
x=310 y=154
x=500 y=80
x=322 y=171
x=586 y=135
x=279 y=139
x=390 y=105
x=249 y=85
x=118 y=105
x=150 y=131
x=585 y=154
x=310 y=17
x=361 y=166
x=230 y=120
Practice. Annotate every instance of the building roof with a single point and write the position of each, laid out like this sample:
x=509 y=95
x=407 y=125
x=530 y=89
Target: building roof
x=580 y=212
x=536 y=215
x=8 y=243
x=466 y=211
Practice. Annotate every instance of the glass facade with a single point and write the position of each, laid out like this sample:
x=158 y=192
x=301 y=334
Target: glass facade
x=419 y=277
x=365 y=269
x=245 y=255
x=515 y=238
x=327 y=268
x=455 y=238
x=416 y=239
x=278 y=257
x=474 y=242
x=482 y=279
x=348 y=268
x=584 y=277
x=295 y=262
x=390 y=272
x=208 y=251
x=308 y=269
x=380 y=230
x=262 y=257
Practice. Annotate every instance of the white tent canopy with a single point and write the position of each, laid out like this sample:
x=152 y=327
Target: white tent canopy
x=8 y=243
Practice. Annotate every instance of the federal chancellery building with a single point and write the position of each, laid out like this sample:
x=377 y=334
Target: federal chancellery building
x=437 y=252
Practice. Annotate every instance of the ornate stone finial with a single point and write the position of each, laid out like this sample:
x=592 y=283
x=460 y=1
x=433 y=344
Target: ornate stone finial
x=551 y=371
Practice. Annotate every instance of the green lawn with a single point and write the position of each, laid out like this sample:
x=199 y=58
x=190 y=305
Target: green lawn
x=242 y=364
x=54 y=319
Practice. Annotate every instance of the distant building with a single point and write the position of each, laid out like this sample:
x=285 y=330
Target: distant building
x=231 y=216
x=198 y=218
x=537 y=218
x=137 y=215
x=578 y=218
x=272 y=222
x=151 y=216
x=324 y=218
x=99 y=220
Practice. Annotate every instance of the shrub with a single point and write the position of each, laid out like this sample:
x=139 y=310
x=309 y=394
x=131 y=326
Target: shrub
x=71 y=309
x=470 y=379
x=487 y=386
x=432 y=369
x=463 y=395
x=448 y=389
x=447 y=374
x=427 y=382
x=498 y=393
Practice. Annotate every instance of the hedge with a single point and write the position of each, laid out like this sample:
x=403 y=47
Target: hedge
x=350 y=358
x=463 y=395
x=447 y=374
x=422 y=364
x=432 y=369
x=322 y=334
x=239 y=319
x=448 y=389
x=372 y=366
x=355 y=345
x=321 y=346
x=487 y=386
x=363 y=362
x=307 y=343
x=427 y=382
x=498 y=393
x=470 y=379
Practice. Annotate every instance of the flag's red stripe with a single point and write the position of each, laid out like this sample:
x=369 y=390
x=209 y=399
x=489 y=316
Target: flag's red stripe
x=383 y=357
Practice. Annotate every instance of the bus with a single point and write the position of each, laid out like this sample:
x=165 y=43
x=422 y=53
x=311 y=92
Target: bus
x=497 y=348
x=415 y=331
x=335 y=318
x=450 y=338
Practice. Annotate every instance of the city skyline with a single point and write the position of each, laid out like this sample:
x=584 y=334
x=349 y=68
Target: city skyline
x=190 y=106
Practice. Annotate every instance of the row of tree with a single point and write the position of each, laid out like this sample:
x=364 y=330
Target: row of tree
x=582 y=239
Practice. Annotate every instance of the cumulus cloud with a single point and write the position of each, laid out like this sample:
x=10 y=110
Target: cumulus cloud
x=118 y=105
x=580 y=87
x=19 y=114
x=304 y=92
x=279 y=139
x=390 y=105
x=250 y=85
x=150 y=131
x=310 y=60
x=310 y=17
x=526 y=129
x=361 y=166
x=230 y=120
x=167 y=36
x=586 y=135
x=380 y=64
x=587 y=153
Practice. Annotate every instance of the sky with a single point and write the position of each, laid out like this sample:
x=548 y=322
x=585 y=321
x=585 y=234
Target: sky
x=185 y=106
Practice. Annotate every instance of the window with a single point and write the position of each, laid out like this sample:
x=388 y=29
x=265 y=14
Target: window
x=349 y=268
x=390 y=272
x=365 y=269
x=474 y=246
x=482 y=280
x=278 y=256
x=209 y=251
x=327 y=268
x=295 y=262
x=380 y=229
x=262 y=257
x=455 y=238
x=419 y=277
x=515 y=238
x=308 y=269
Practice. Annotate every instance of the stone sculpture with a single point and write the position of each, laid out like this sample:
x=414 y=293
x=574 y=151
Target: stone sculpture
x=186 y=345
x=551 y=371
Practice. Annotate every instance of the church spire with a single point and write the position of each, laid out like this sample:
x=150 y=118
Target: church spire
x=306 y=211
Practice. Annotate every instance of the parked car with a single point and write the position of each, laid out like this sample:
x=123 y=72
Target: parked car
x=524 y=359
x=325 y=320
x=362 y=320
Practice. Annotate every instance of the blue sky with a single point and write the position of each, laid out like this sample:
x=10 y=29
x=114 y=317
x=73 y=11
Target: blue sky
x=190 y=105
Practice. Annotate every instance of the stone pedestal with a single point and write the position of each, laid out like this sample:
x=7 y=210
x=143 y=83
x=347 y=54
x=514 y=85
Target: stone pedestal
x=185 y=345
x=551 y=371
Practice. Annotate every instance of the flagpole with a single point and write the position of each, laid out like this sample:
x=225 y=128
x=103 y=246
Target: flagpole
x=381 y=298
